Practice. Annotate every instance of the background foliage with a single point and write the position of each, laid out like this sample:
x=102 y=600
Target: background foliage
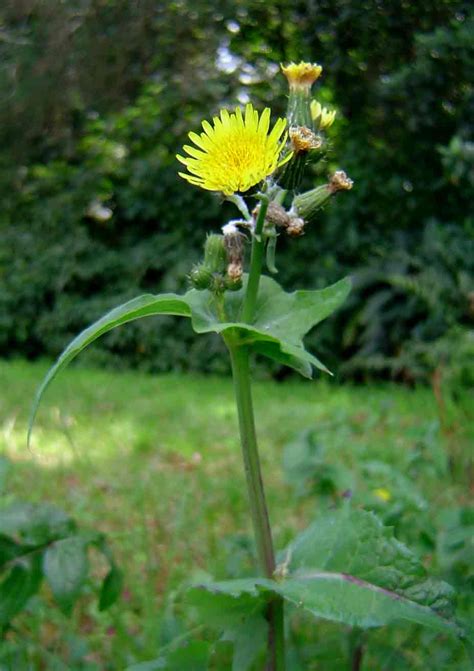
x=98 y=96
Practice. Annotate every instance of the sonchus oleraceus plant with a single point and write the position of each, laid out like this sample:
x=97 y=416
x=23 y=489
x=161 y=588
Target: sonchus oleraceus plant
x=346 y=567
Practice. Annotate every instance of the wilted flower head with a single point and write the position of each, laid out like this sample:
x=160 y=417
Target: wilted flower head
x=323 y=117
x=236 y=152
x=301 y=75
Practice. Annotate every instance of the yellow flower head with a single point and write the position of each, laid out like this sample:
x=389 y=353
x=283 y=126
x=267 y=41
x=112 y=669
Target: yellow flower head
x=236 y=152
x=382 y=494
x=301 y=75
x=323 y=116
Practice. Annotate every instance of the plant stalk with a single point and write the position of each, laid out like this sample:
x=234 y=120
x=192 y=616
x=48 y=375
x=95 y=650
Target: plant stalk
x=256 y=260
x=261 y=525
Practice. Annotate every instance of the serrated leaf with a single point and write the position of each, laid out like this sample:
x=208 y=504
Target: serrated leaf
x=35 y=524
x=355 y=542
x=343 y=598
x=347 y=567
x=65 y=567
x=340 y=598
x=111 y=588
x=281 y=321
x=19 y=585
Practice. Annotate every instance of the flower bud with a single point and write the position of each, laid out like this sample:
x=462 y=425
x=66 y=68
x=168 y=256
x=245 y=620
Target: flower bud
x=307 y=204
x=215 y=255
x=201 y=277
x=322 y=117
x=301 y=77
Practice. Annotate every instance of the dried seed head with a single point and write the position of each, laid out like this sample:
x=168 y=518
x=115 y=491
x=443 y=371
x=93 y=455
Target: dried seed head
x=277 y=215
x=303 y=139
x=340 y=182
x=234 y=246
x=296 y=227
x=235 y=271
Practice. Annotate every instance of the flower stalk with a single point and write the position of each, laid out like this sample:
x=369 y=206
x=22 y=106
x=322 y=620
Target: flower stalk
x=266 y=557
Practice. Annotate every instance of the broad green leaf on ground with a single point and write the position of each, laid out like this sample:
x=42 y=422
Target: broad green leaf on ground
x=9 y=550
x=111 y=588
x=35 y=523
x=347 y=567
x=22 y=581
x=65 y=567
x=240 y=618
x=249 y=639
x=192 y=657
x=281 y=321
x=355 y=542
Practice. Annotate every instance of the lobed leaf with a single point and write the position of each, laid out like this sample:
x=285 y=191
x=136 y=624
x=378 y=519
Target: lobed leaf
x=281 y=321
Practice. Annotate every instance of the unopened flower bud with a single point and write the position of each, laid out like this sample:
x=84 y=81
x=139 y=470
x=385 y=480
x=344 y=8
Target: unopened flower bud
x=340 y=182
x=215 y=255
x=301 y=77
x=307 y=204
x=201 y=277
x=322 y=117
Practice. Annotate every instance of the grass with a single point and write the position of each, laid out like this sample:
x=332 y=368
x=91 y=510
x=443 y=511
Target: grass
x=154 y=462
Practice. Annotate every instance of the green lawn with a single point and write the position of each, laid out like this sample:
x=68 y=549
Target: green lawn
x=154 y=463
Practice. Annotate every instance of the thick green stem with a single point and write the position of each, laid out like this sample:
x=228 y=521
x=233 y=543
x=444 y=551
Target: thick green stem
x=256 y=260
x=241 y=374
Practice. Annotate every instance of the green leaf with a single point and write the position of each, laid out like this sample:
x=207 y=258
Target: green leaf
x=347 y=567
x=19 y=585
x=281 y=319
x=355 y=542
x=193 y=657
x=111 y=588
x=142 y=306
x=10 y=550
x=346 y=599
x=35 y=524
x=239 y=617
x=65 y=567
x=249 y=639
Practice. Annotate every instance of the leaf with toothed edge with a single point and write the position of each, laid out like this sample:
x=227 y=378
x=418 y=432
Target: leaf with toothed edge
x=281 y=321
x=348 y=567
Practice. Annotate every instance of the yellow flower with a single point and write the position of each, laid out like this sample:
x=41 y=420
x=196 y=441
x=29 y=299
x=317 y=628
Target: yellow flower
x=236 y=152
x=382 y=494
x=301 y=75
x=322 y=115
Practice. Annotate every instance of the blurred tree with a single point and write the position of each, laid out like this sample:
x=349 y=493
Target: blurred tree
x=98 y=95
